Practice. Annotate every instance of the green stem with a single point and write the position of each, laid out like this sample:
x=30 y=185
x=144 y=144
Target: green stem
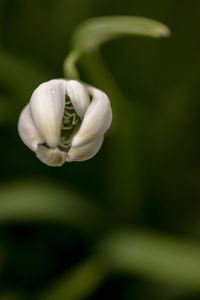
x=69 y=65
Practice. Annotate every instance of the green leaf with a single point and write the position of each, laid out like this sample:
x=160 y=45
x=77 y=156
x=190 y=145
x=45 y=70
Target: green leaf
x=77 y=284
x=47 y=202
x=18 y=79
x=92 y=33
x=154 y=256
x=19 y=76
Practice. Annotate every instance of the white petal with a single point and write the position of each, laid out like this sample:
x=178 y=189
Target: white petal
x=84 y=152
x=47 y=107
x=97 y=119
x=79 y=96
x=28 y=131
x=51 y=157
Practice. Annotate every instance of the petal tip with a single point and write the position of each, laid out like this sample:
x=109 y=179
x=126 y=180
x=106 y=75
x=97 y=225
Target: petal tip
x=51 y=157
x=85 y=152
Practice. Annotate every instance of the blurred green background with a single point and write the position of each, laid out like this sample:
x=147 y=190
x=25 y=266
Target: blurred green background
x=125 y=224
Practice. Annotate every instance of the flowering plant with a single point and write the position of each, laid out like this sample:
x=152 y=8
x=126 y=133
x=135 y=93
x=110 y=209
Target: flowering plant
x=65 y=120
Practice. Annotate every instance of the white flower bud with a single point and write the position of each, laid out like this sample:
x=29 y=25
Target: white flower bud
x=65 y=120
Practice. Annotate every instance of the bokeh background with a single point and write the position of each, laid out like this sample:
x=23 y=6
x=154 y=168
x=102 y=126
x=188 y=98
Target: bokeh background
x=125 y=224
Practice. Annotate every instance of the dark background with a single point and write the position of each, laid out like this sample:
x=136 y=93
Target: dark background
x=146 y=176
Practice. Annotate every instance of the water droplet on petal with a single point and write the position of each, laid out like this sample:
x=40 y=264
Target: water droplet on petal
x=52 y=91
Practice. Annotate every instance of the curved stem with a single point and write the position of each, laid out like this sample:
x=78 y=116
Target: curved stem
x=69 y=65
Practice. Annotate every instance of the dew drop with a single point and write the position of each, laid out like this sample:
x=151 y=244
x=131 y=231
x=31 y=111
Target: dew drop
x=52 y=91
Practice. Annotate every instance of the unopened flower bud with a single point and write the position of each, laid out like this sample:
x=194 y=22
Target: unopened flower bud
x=65 y=120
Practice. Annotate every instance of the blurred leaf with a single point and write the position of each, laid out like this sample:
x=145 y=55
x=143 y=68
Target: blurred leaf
x=47 y=202
x=94 y=32
x=154 y=256
x=18 y=75
x=79 y=283
x=18 y=79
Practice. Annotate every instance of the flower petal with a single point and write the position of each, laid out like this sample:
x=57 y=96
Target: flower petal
x=96 y=121
x=79 y=96
x=51 y=157
x=85 y=152
x=28 y=131
x=47 y=106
